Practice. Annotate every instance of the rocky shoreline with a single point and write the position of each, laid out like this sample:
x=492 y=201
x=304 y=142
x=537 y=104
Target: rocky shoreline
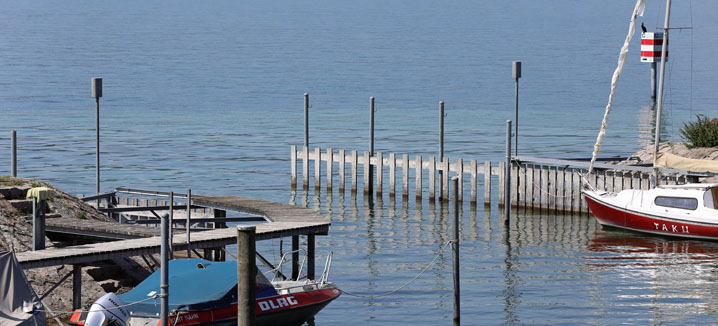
x=117 y=275
x=645 y=156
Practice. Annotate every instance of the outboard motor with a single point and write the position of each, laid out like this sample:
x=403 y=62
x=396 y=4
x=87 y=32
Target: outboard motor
x=108 y=310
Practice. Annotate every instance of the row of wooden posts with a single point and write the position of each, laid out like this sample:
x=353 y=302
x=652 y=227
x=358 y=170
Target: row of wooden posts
x=550 y=185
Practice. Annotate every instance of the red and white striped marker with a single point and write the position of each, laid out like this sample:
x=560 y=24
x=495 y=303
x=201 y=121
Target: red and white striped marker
x=651 y=46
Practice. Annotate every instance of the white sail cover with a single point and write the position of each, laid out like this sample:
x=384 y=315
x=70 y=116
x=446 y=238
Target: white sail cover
x=670 y=161
x=622 y=57
x=18 y=302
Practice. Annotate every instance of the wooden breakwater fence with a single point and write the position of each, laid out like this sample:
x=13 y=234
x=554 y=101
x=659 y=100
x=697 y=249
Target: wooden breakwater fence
x=537 y=183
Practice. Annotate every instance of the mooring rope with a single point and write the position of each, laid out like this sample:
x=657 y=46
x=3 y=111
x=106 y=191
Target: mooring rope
x=405 y=284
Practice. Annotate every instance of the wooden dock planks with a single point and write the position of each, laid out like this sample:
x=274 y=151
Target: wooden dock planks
x=284 y=221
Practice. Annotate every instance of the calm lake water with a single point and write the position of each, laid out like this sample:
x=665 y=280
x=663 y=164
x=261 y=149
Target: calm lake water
x=209 y=96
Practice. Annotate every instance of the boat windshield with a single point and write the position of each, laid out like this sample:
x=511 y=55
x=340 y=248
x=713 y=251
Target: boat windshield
x=710 y=197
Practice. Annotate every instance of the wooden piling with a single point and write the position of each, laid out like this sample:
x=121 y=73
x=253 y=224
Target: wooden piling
x=354 y=171
x=379 y=173
x=460 y=175
x=305 y=167
x=418 y=176
x=246 y=275
x=293 y=162
x=472 y=172
x=502 y=174
x=392 y=174
x=367 y=167
x=405 y=175
x=445 y=179
x=317 y=168
x=342 y=170
x=432 y=177
x=330 y=167
x=487 y=183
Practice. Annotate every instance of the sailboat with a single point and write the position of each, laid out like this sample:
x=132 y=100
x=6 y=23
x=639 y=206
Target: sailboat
x=689 y=211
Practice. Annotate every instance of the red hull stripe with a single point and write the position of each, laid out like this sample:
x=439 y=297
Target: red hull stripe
x=627 y=219
x=268 y=305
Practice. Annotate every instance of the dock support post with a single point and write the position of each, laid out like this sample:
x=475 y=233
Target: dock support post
x=432 y=178
x=330 y=167
x=369 y=188
x=441 y=148
x=164 y=273
x=516 y=72
x=293 y=161
x=342 y=171
x=472 y=165
x=310 y=256
x=460 y=174
x=13 y=153
x=317 y=168
x=418 y=176
x=455 y=250
x=171 y=233
x=445 y=179
x=246 y=275
x=392 y=174
x=295 y=257
x=189 y=215
x=405 y=175
x=487 y=183
x=354 y=171
x=97 y=93
x=367 y=173
x=306 y=120
x=305 y=167
x=507 y=175
x=76 y=287
x=38 y=224
x=379 y=173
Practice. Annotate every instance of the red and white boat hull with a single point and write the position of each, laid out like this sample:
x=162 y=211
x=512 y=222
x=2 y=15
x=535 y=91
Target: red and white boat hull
x=638 y=211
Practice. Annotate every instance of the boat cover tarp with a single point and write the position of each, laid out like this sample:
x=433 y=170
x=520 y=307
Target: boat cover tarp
x=670 y=161
x=18 y=301
x=194 y=284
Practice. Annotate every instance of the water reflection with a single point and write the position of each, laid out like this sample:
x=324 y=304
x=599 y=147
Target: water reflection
x=541 y=268
x=647 y=125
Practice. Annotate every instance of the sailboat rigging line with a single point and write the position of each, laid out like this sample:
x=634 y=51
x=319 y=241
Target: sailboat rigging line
x=441 y=250
x=622 y=57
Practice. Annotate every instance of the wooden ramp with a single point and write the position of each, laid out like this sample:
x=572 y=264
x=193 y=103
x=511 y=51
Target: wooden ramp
x=283 y=221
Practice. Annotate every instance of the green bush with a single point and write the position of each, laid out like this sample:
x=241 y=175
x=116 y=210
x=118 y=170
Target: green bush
x=701 y=133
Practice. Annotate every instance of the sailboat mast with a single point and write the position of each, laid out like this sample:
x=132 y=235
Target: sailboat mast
x=659 y=108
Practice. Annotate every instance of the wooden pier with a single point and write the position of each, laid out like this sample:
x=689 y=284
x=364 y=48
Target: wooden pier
x=279 y=220
x=536 y=183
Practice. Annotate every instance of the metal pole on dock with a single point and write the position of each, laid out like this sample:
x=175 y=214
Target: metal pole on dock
x=246 y=275
x=507 y=178
x=516 y=72
x=455 y=249
x=306 y=120
x=13 y=153
x=371 y=146
x=164 y=274
x=441 y=147
x=97 y=93
x=171 y=235
x=189 y=214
